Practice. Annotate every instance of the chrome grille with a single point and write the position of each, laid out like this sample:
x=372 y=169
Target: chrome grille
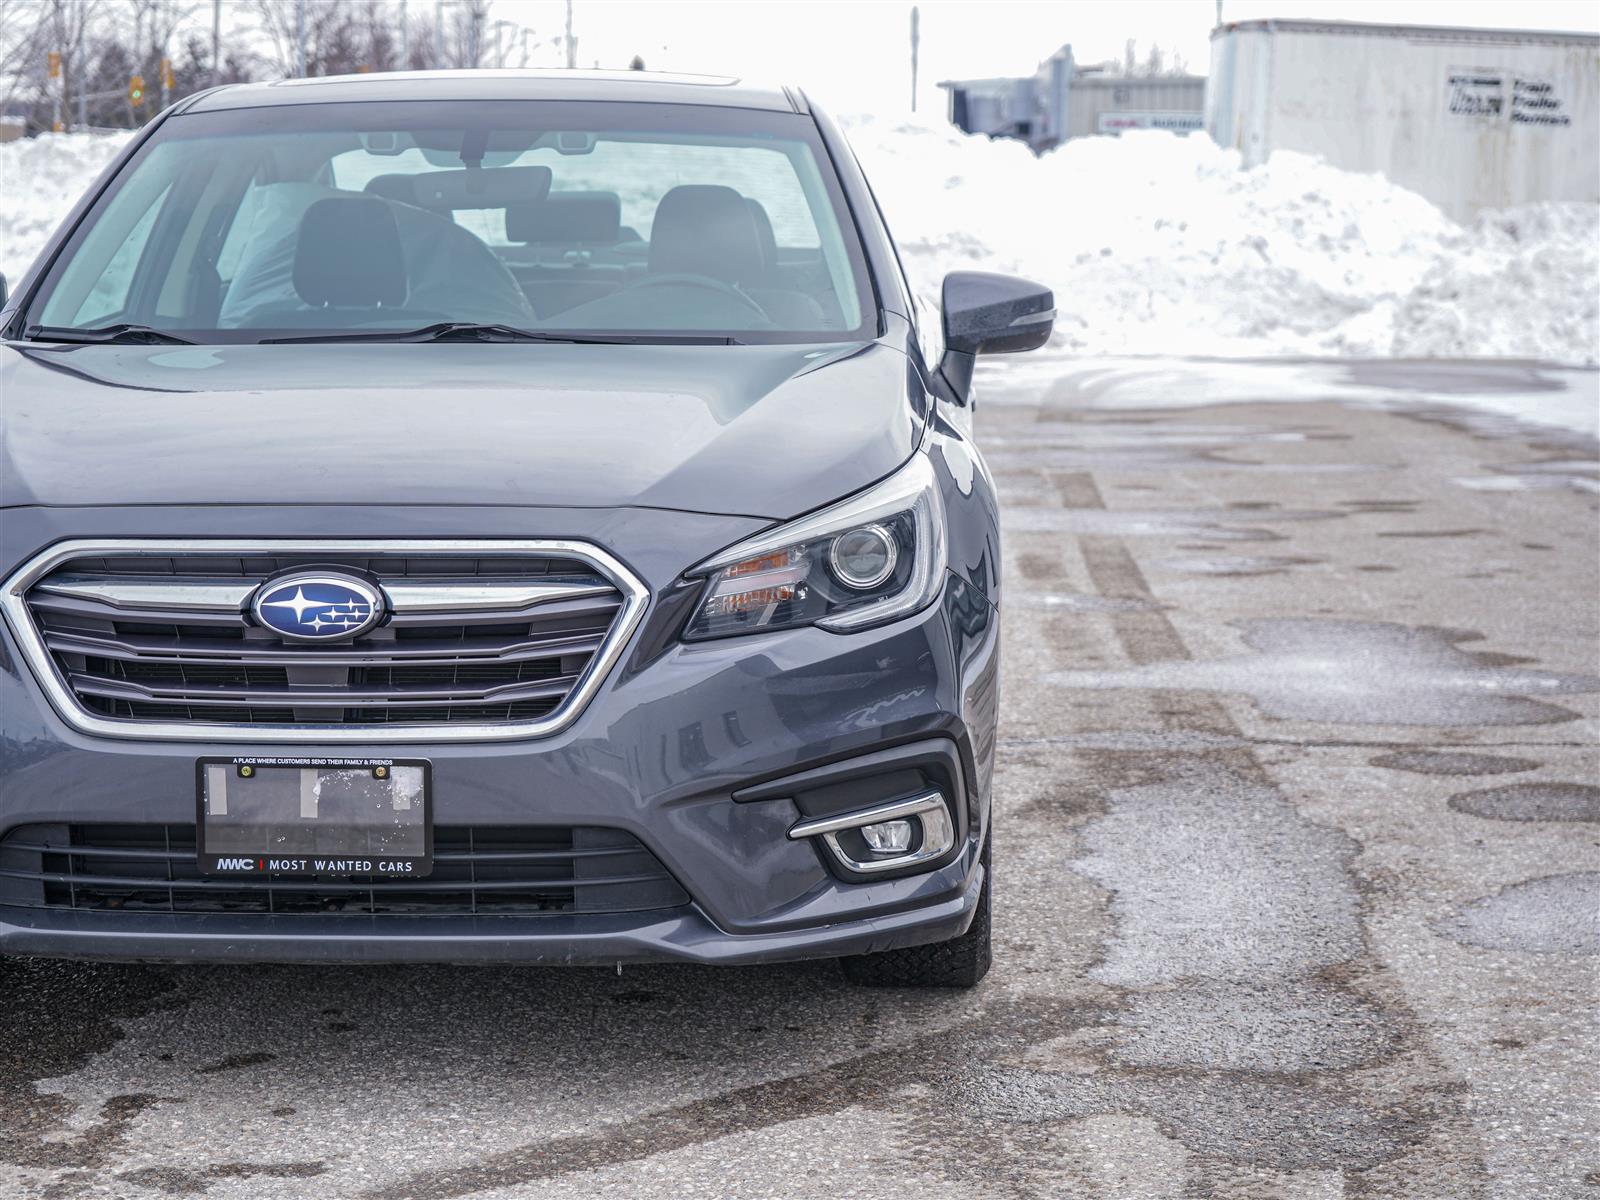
x=483 y=639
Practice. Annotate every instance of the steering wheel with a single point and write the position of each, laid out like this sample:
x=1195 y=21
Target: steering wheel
x=710 y=284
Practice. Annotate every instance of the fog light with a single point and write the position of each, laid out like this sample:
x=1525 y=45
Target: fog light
x=888 y=837
x=888 y=831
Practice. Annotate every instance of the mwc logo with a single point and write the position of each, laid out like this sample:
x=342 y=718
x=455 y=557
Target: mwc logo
x=238 y=864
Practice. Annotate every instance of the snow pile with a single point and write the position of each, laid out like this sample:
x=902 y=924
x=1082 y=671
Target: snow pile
x=1156 y=244
x=40 y=180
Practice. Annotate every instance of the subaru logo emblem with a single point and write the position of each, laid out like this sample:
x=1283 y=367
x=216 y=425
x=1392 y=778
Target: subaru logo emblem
x=316 y=606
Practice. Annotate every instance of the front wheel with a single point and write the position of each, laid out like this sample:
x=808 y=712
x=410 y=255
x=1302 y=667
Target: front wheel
x=959 y=963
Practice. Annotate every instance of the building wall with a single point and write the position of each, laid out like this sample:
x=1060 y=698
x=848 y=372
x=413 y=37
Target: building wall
x=1155 y=102
x=1471 y=119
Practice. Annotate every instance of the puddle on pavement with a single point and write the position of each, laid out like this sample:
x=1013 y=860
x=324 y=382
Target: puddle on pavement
x=1242 y=564
x=1450 y=762
x=1558 y=914
x=1212 y=876
x=1218 y=1025
x=1532 y=802
x=67 y=1014
x=1282 y=1122
x=1361 y=673
x=1233 y=919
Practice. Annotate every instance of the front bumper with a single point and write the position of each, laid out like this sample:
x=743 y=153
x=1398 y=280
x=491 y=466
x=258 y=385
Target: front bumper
x=685 y=935
x=658 y=752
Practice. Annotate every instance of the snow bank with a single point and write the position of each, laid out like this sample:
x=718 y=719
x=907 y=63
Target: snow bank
x=40 y=180
x=1156 y=244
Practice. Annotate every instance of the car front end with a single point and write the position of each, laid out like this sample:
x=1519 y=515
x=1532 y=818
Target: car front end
x=333 y=636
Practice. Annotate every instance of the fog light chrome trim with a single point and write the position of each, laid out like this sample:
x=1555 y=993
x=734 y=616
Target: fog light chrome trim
x=929 y=810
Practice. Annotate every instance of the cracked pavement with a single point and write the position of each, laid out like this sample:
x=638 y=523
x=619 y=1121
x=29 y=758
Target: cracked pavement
x=1297 y=860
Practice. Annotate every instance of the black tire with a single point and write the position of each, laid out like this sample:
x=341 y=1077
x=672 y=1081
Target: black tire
x=962 y=962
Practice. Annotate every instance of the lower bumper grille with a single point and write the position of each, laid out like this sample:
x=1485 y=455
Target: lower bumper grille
x=477 y=871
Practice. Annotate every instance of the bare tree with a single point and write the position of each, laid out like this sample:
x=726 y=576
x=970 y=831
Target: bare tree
x=329 y=26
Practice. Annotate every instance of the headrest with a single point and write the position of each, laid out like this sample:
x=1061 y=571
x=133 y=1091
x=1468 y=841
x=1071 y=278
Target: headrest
x=764 y=235
x=347 y=254
x=592 y=218
x=392 y=187
x=478 y=187
x=705 y=229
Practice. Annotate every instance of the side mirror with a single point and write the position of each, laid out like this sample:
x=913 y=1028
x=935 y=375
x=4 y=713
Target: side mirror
x=3 y=292
x=990 y=314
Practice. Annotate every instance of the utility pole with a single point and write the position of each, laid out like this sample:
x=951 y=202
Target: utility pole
x=438 y=49
x=216 y=42
x=81 y=70
x=572 y=42
x=915 y=37
x=299 y=39
x=405 y=39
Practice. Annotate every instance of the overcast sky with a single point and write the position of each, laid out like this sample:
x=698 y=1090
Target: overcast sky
x=854 y=54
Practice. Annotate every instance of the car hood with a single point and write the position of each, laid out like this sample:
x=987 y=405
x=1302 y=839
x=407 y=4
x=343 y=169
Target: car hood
x=768 y=431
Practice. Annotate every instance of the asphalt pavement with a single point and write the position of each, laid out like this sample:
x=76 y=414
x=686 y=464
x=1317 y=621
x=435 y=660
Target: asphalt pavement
x=1297 y=876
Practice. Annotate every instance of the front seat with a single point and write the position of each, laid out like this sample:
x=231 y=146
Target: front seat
x=705 y=229
x=348 y=255
x=711 y=230
x=786 y=307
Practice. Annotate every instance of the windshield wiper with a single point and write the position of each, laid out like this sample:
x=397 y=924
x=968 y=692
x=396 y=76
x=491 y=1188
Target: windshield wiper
x=123 y=334
x=470 y=331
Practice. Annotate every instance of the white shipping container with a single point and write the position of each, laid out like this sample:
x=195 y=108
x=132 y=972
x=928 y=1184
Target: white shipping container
x=1470 y=118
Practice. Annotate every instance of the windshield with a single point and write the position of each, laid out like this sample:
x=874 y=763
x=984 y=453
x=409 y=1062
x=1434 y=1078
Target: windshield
x=356 y=218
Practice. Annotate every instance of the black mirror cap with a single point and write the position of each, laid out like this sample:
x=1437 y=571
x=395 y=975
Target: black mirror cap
x=986 y=313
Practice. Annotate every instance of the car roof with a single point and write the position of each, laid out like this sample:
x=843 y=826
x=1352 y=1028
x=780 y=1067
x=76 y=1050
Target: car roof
x=641 y=87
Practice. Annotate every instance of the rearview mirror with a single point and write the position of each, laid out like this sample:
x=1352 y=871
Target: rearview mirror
x=990 y=314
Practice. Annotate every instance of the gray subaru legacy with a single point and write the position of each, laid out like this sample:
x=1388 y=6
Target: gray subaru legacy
x=497 y=516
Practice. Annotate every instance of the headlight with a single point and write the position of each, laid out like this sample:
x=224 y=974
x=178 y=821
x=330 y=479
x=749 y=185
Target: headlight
x=874 y=557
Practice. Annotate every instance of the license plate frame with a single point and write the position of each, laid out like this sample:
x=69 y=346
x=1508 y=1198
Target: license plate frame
x=289 y=846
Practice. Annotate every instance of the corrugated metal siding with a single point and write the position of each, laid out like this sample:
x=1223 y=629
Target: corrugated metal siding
x=1089 y=97
x=1472 y=119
